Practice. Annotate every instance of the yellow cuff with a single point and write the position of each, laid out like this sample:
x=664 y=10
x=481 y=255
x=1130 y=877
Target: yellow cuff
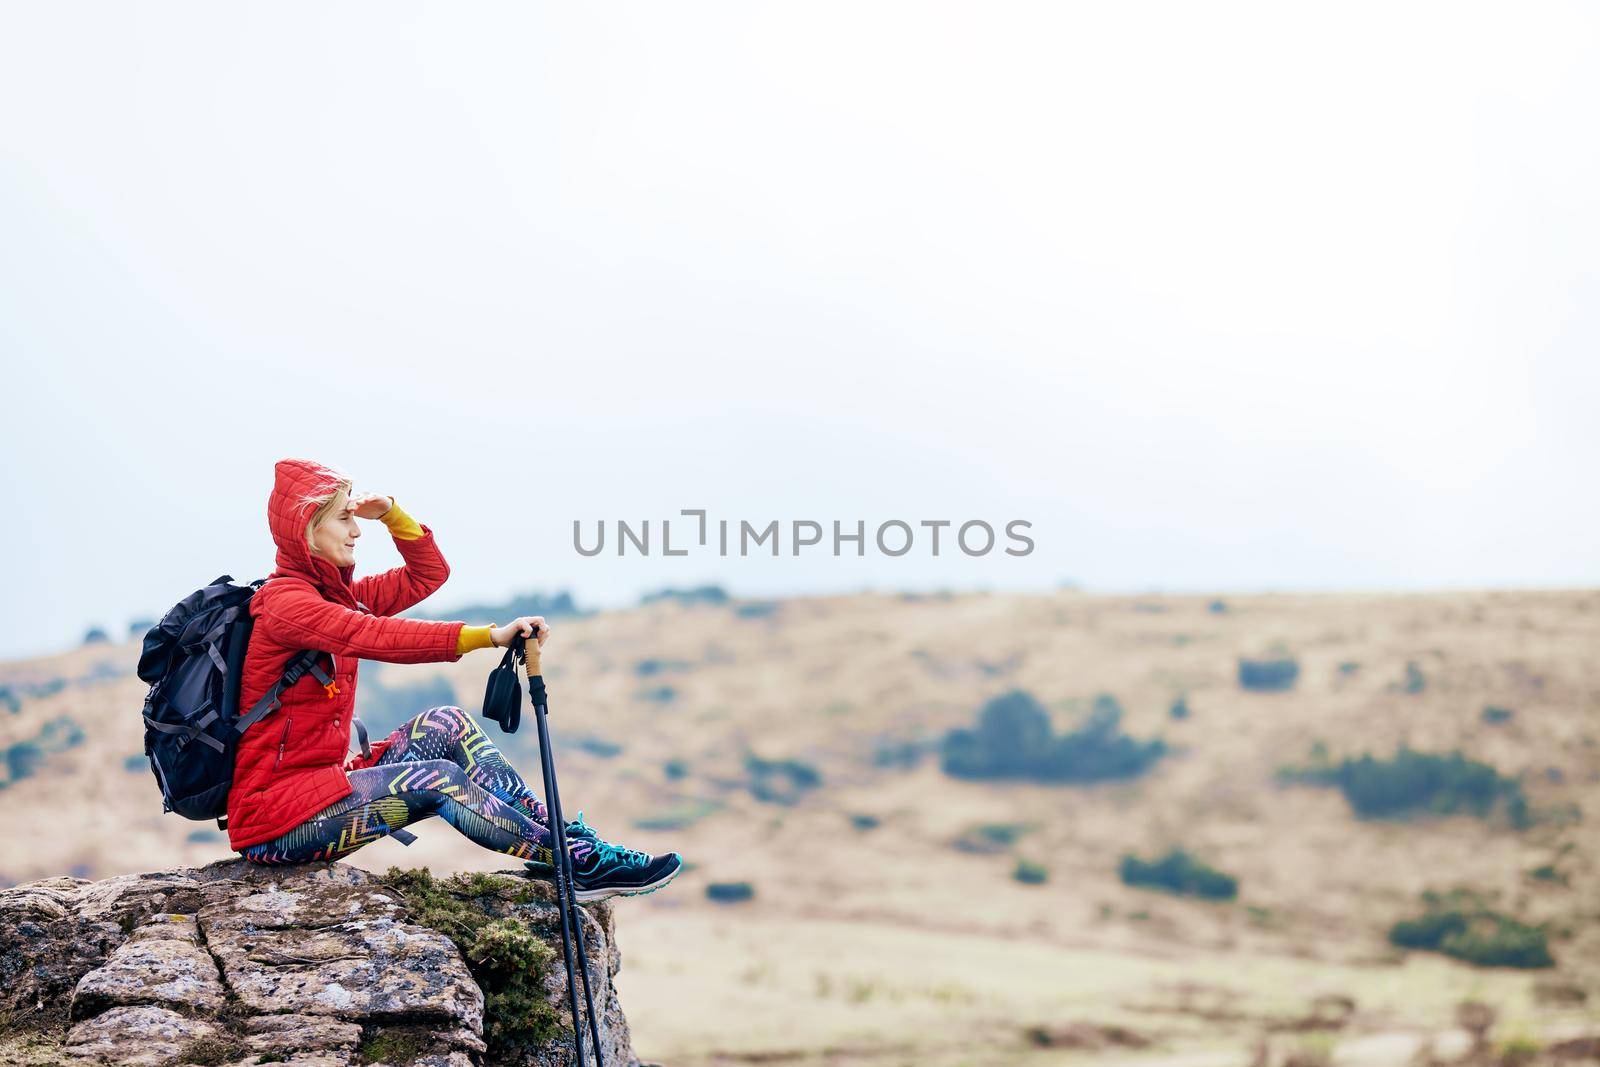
x=401 y=526
x=474 y=637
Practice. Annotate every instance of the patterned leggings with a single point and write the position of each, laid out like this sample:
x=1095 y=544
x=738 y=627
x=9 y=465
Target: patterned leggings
x=438 y=763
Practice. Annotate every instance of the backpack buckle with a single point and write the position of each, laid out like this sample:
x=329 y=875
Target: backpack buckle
x=332 y=688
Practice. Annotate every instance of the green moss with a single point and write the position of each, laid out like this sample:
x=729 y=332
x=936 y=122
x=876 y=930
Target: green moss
x=213 y=1051
x=392 y=1045
x=506 y=958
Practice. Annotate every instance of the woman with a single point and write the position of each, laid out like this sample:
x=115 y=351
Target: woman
x=297 y=795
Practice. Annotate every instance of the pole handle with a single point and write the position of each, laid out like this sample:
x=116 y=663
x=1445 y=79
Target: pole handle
x=530 y=653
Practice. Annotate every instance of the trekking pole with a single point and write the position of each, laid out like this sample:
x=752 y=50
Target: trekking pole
x=566 y=900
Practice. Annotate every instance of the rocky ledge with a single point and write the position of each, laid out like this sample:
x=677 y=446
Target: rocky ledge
x=320 y=965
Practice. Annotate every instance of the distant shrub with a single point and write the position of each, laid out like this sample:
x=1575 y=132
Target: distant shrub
x=1411 y=782
x=550 y=605
x=1179 y=873
x=1013 y=739
x=648 y=668
x=862 y=821
x=675 y=769
x=22 y=759
x=1495 y=716
x=990 y=837
x=660 y=694
x=9 y=698
x=96 y=636
x=1459 y=924
x=1179 y=710
x=780 y=781
x=1029 y=873
x=1349 y=667
x=730 y=892
x=678 y=816
x=902 y=754
x=756 y=609
x=136 y=764
x=1268 y=675
x=139 y=627
x=203 y=836
x=595 y=746
x=1217 y=607
x=1414 y=782
x=1415 y=681
x=700 y=594
x=1548 y=872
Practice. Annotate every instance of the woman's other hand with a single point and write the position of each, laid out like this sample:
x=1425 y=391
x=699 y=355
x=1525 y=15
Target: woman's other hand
x=526 y=626
x=370 y=505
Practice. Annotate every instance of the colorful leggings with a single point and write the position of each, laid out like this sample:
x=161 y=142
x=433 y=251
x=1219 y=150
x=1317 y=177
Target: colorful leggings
x=438 y=763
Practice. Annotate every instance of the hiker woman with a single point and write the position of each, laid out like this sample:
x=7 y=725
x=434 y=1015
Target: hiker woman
x=297 y=793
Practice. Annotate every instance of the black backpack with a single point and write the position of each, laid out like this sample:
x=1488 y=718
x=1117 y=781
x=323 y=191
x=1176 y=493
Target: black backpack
x=194 y=659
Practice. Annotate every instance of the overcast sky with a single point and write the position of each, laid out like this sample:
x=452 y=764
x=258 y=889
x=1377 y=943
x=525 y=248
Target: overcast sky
x=1217 y=297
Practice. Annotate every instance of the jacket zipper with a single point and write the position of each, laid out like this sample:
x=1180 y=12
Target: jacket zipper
x=283 y=741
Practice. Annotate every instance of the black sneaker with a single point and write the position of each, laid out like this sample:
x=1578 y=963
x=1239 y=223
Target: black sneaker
x=601 y=869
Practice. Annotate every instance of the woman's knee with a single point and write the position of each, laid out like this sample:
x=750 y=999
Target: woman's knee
x=439 y=771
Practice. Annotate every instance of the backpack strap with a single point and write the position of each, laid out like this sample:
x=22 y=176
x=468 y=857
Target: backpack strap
x=191 y=730
x=302 y=664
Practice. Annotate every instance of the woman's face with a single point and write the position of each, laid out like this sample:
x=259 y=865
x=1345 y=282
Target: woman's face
x=335 y=539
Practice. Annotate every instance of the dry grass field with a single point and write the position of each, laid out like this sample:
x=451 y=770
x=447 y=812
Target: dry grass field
x=872 y=939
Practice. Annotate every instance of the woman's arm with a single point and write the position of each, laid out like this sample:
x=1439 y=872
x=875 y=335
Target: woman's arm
x=293 y=613
x=423 y=571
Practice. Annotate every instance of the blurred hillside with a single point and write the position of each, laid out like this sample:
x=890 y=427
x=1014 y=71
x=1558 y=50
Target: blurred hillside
x=851 y=900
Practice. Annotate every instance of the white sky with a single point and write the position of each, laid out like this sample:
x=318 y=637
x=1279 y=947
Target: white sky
x=1220 y=297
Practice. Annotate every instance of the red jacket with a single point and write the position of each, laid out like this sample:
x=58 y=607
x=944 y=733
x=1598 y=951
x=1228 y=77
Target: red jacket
x=292 y=763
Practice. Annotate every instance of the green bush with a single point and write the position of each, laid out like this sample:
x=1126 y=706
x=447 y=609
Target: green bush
x=1460 y=924
x=863 y=821
x=679 y=816
x=1013 y=739
x=730 y=892
x=990 y=837
x=1412 y=782
x=1415 y=681
x=780 y=781
x=1495 y=716
x=660 y=694
x=595 y=746
x=22 y=759
x=1268 y=675
x=1179 y=710
x=756 y=609
x=649 y=668
x=675 y=769
x=892 y=753
x=1179 y=873
x=1030 y=873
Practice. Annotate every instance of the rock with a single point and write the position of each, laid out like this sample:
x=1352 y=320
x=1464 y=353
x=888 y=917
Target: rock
x=140 y=1035
x=321 y=965
x=161 y=963
x=334 y=950
x=300 y=1033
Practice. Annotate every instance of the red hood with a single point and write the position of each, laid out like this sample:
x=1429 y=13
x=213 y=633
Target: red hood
x=287 y=515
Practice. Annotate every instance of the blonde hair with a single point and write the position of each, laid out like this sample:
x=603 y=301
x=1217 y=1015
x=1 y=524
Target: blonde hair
x=327 y=504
